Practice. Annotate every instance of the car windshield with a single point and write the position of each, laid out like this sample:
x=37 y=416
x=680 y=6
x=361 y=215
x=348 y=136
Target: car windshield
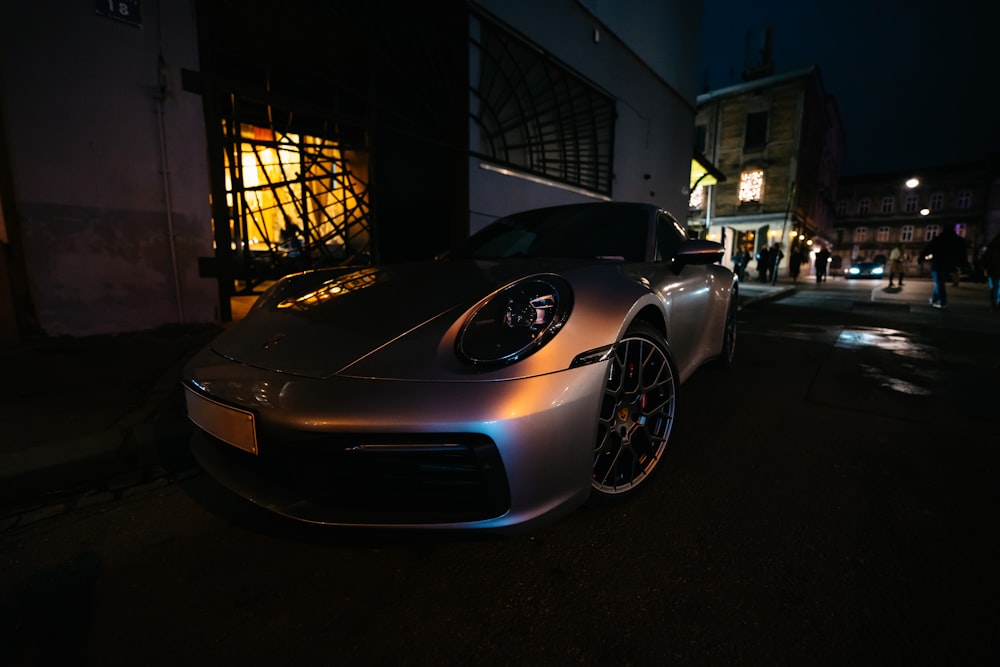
x=587 y=232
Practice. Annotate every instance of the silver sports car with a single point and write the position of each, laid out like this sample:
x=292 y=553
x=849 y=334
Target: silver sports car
x=532 y=368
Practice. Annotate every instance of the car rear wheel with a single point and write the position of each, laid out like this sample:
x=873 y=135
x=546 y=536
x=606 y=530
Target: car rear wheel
x=728 y=351
x=637 y=413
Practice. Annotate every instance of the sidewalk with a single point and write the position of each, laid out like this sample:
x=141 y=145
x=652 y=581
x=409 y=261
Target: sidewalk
x=75 y=410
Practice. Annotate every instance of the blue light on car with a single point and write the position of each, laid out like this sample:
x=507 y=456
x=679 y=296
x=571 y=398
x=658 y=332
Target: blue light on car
x=877 y=271
x=854 y=270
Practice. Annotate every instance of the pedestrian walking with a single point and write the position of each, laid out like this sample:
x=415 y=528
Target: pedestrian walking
x=822 y=263
x=946 y=252
x=990 y=261
x=763 y=263
x=740 y=263
x=795 y=262
x=896 y=265
x=776 y=257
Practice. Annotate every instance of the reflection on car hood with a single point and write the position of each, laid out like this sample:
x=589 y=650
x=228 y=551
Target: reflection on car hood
x=319 y=323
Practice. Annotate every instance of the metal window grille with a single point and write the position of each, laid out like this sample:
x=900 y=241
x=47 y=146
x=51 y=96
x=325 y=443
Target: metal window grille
x=536 y=115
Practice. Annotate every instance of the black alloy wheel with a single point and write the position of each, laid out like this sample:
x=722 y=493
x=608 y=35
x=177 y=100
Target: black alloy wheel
x=728 y=351
x=637 y=412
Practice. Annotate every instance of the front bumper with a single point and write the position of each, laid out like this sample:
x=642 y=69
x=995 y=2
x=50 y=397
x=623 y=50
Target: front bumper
x=404 y=454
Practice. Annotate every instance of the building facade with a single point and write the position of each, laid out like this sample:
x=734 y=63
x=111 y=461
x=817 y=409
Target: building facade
x=216 y=144
x=779 y=142
x=877 y=212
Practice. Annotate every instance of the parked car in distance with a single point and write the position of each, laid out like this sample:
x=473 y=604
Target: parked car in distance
x=865 y=270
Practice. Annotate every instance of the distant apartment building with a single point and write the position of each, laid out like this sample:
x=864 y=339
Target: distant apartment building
x=779 y=142
x=876 y=212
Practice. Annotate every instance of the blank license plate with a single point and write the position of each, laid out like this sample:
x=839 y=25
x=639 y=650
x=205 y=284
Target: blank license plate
x=225 y=422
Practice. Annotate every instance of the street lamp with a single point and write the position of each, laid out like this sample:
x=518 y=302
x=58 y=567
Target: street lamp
x=912 y=182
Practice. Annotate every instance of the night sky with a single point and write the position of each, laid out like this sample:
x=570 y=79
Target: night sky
x=917 y=83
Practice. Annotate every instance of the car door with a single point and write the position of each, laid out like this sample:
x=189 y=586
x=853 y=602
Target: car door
x=686 y=293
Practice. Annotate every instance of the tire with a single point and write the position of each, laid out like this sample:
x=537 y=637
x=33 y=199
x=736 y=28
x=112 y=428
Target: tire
x=637 y=414
x=728 y=351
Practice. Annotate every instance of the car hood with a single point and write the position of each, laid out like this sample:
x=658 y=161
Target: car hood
x=395 y=321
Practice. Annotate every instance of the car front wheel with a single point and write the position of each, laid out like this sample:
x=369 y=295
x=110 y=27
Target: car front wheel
x=637 y=412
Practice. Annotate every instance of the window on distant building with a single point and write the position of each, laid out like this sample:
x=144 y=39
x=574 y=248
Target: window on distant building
x=931 y=231
x=751 y=185
x=700 y=138
x=906 y=235
x=864 y=206
x=961 y=229
x=937 y=201
x=888 y=204
x=912 y=201
x=964 y=199
x=536 y=115
x=860 y=234
x=842 y=207
x=882 y=234
x=838 y=235
x=697 y=198
x=756 y=131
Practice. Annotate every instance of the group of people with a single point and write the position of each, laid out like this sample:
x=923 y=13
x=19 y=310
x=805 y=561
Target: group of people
x=769 y=259
x=946 y=254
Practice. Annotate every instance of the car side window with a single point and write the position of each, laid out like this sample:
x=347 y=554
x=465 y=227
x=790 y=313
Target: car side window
x=668 y=238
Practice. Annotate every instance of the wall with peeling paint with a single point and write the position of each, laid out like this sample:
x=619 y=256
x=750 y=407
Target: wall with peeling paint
x=107 y=160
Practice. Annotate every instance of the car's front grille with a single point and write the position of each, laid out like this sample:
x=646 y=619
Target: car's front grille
x=391 y=479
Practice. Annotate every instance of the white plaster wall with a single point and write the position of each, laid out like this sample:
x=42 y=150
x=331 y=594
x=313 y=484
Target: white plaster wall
x=655 y=125
x=106 y=250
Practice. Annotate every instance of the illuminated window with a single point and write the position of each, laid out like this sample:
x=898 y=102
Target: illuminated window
x=937 y=201
x=751 y=185
x=906 y=235
x=295 y=196
x=860 y=234
x=888 y=204
x=864 y=206
x=964 y=199
x=911 y=203
x=882 y=234
x=931 y=231
x=697 y=199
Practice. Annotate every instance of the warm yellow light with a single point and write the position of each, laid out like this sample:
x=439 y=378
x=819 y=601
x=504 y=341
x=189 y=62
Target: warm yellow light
x=751 y=185
x=250 y=177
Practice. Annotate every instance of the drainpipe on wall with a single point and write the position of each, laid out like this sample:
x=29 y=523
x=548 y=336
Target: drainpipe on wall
x=165 y=169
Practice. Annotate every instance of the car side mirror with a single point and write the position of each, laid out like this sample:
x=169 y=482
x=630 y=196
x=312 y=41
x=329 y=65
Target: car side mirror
x=699 y=252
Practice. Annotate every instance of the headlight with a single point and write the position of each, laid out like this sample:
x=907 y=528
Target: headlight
x=515 y=321
x=854 y=270
x=877 y=271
